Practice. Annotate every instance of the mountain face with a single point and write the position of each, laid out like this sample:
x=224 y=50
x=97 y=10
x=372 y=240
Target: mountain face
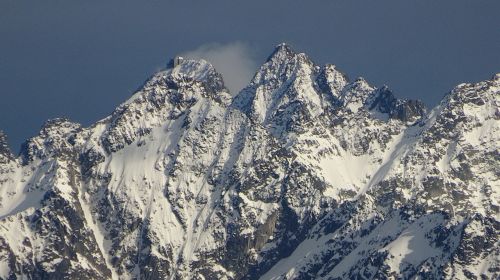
x=303 y=175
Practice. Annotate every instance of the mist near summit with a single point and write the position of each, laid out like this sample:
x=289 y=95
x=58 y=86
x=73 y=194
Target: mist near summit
x=235 y=61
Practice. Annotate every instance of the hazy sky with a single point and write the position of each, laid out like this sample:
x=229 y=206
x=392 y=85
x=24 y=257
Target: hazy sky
x=80 y=59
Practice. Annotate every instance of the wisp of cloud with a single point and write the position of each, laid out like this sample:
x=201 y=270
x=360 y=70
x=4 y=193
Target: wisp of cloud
x=235 y=61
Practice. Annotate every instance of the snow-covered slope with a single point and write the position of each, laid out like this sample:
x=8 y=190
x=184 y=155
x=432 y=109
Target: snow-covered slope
x=302 y=175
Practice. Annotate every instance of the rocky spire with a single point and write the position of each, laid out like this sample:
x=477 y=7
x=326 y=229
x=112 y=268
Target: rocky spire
x=284 y=86
x=280 y=66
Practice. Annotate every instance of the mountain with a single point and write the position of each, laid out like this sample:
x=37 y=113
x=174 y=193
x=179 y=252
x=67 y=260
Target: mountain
x=302 y=175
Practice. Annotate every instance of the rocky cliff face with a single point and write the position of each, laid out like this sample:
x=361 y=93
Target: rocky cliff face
x=303 y=175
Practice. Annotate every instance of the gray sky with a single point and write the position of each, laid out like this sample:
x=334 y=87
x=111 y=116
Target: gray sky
x=80 y=59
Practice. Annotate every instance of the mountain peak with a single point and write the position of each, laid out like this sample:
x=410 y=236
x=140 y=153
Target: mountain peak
x=280 y=66
x=167 y=95
x=197 y=70
x=286 y=78
x=188 y=76
x=280 y=51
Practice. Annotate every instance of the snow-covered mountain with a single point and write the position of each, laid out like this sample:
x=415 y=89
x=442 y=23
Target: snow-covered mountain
x=302 y=175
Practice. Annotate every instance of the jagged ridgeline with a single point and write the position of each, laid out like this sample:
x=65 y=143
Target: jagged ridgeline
x=302 y=175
